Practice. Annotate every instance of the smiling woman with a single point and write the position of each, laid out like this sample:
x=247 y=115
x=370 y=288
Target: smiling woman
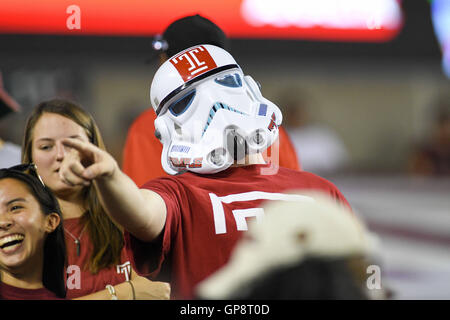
x=32 y=247
x=97 y=257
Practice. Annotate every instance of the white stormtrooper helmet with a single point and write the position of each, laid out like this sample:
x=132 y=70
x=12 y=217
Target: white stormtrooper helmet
x=208 y=113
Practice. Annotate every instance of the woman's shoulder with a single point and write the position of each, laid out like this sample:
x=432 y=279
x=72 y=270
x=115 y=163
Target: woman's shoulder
x=8 y=292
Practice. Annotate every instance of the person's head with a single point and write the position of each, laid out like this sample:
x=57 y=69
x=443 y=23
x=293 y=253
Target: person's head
x=186 y=32
x=209 y=114
x=49 y=123
x=31 y=231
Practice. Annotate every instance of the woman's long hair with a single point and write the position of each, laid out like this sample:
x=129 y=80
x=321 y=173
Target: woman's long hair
x=53 y=274
x=105 y=235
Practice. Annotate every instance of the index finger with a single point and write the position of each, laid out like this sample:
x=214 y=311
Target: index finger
x=81 y=146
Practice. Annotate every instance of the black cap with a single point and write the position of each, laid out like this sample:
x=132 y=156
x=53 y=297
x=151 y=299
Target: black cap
x=7 y=103
x=187 y=32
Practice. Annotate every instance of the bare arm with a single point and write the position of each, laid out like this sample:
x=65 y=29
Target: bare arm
x=139 y=211
x=123 y=292
x=144 y=289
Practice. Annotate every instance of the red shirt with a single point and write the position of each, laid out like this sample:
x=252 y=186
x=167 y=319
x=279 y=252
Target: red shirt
x=142 y=151
x=206 y=216
x=8 y=292
x=80 y=281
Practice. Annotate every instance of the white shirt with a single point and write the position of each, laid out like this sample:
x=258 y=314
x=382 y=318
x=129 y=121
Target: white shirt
x=10 y=155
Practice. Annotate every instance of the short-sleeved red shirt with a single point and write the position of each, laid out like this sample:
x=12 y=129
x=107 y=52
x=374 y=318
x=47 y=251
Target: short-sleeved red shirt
x=207 y=215
x=80 y=281
x=8 y=292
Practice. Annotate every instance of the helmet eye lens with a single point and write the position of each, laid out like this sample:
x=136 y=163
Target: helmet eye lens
x=229 y=80
x=181 y=105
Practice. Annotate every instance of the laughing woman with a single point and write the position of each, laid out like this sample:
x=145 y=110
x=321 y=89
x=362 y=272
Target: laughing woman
x=98 y=265
x=32 y=248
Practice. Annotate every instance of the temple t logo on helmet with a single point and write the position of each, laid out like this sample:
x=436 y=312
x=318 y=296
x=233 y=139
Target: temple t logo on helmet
x=209 y=114
x=193 y=62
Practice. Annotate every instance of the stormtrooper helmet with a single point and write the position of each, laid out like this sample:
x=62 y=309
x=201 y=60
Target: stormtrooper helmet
x=209 y=114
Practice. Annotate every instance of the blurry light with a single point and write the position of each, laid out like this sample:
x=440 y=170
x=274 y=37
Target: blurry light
x=373 y=23
x=341 y=14
x=159 y=44
x=440 y=13
x=446 y=62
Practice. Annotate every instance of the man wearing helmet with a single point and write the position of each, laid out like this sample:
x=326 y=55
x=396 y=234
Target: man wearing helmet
x=204 y=102
x=214 y=125
x=141 y=147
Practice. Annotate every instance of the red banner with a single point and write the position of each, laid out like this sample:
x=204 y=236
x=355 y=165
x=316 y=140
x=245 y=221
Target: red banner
x=330 y=20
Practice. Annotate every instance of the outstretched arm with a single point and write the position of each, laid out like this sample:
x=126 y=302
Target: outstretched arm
x=139 y=211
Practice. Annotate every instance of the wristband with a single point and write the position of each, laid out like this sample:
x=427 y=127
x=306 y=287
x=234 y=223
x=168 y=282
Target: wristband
x=112 y=291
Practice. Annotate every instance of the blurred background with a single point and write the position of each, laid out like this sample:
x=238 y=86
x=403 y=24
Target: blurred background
x=364 y=87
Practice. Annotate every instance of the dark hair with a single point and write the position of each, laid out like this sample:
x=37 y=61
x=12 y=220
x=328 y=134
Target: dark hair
x=105 y=235
x=190 y=31
x=315 y=278
x=53 y=276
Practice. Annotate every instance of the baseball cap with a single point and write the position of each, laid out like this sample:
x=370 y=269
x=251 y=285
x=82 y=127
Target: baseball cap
x=7 y=103
x=187 y=32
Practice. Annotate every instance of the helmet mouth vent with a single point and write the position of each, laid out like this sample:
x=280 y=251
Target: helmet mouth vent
x=236 y=144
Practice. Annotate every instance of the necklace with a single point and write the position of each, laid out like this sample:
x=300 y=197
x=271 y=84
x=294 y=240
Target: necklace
x=76 y=240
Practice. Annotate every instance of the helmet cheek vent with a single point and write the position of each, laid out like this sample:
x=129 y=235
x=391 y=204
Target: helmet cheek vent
x=258 y=138
x=218 y=156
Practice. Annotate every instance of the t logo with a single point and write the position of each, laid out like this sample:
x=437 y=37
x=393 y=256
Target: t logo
x=193 y=62
x=125 y=269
